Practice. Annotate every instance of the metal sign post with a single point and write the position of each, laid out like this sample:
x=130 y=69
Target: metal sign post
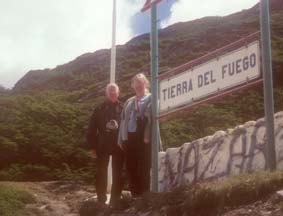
x=268 y=84
x=154 y=90
x=151 y=4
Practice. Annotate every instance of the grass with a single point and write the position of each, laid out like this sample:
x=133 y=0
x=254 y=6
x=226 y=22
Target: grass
x=13 y=200
x=212 y=197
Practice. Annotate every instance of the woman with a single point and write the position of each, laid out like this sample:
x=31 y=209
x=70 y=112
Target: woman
x=134 y=135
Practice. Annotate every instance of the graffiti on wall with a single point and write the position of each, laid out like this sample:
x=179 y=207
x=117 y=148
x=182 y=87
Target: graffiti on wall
x=230 y=152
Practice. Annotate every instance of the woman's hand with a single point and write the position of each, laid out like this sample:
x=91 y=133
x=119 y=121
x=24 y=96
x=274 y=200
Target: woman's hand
x=123 y=146
x=146 y=140
x=120 y=146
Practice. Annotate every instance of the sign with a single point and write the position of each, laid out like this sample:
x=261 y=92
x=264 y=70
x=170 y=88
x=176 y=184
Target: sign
x=148 y=3
x=216 y=75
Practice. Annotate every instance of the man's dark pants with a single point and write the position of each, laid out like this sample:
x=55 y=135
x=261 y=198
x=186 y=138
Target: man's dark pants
x=101 y=175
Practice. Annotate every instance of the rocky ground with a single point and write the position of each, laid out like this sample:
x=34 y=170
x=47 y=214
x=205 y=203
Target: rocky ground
x=271 y=206
x=57 y=198
x=74 y=199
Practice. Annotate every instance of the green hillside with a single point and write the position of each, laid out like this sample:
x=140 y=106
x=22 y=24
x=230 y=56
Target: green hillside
x=44 y=118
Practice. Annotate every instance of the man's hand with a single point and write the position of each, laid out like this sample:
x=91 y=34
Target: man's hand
x=94 y=153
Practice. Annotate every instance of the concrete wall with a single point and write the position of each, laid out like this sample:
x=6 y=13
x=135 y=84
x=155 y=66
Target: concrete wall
x=225 y=153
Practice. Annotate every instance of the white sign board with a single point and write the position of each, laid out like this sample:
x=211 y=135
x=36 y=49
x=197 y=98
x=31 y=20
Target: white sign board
x=224 y=72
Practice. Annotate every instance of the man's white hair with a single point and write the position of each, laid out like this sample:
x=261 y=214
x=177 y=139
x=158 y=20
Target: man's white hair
x=111 y=85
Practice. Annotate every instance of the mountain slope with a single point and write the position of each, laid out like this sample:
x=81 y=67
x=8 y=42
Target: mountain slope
x=178 y=44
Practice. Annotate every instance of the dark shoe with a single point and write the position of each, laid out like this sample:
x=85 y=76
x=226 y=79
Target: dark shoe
x=102 y=199
x=101 y=203
x=136 y=195
x=89 y=208
x=116 y=205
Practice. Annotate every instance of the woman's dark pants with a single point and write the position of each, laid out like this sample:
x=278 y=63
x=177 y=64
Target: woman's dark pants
x=137 y=155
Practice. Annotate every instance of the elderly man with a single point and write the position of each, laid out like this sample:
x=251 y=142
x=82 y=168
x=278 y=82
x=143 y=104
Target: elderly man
x=102 y=139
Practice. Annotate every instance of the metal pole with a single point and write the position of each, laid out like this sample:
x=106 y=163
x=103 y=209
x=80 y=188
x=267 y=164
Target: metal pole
x=268 y=84
x=154 y=90
x=113 y=49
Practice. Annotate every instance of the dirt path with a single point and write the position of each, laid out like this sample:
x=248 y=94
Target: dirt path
x=57 y=198
x=66 y=198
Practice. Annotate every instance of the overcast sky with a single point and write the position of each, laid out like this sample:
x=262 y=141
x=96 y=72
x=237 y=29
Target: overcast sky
x=38 y=34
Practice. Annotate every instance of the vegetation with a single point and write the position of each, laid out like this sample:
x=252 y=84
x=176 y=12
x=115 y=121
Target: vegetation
x=45 y=117
x=13 y=200
x=212 y=197
x=41 y=139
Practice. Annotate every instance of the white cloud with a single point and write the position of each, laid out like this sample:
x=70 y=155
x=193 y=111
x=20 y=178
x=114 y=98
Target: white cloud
x=36 y=34
x=185 y=10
